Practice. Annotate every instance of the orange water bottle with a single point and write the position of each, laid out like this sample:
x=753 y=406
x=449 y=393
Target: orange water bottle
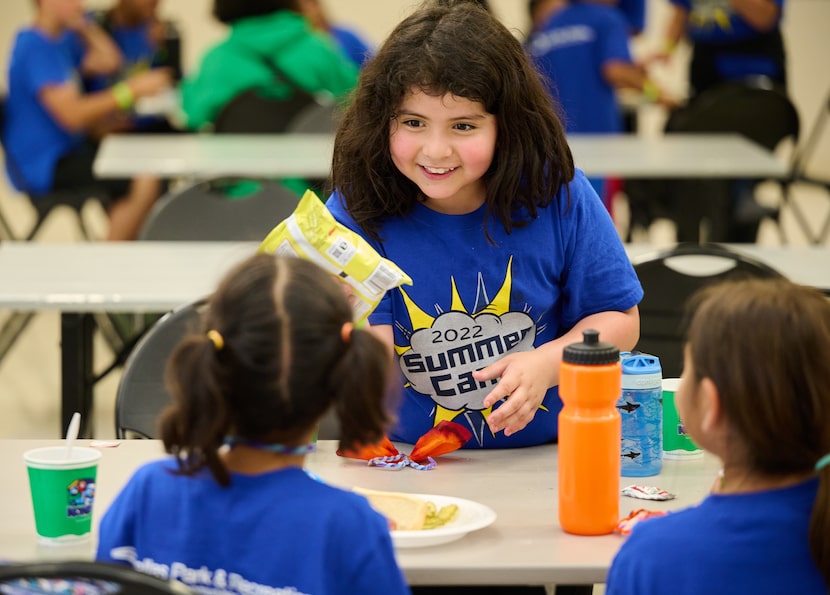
x=589 y=437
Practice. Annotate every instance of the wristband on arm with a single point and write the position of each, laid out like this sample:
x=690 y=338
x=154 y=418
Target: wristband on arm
x=650 y=90
x=124 y=97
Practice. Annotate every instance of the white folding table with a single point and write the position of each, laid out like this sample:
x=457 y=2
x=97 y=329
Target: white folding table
x=524 y=545
x=82 y=278
x=301 y=155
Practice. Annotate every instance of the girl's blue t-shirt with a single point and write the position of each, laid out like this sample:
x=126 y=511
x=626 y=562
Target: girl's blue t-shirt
x=738 y=543
x=472 y=302
x=277 y=532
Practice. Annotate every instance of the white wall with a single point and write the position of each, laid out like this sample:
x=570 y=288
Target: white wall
x=806 y=31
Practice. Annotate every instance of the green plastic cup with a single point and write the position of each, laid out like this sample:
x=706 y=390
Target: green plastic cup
x=676 y=442
x=63 y=492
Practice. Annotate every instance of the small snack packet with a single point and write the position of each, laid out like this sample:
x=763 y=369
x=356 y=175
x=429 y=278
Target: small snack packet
x=626 y=524
x=312 y=233
x=647 y=493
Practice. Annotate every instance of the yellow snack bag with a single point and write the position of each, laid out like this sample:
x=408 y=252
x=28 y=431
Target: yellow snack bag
x=312 y=233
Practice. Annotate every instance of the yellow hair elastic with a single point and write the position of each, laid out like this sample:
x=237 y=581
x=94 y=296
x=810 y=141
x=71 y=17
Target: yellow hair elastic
x=216 y=338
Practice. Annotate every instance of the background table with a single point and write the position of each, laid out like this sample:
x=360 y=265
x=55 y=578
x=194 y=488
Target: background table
x=525 y=545
x=215 y=155
x=79 y=279
x=283 y=155
x=674 y=156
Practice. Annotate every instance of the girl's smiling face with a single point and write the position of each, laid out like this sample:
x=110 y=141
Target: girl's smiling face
x=444 y=144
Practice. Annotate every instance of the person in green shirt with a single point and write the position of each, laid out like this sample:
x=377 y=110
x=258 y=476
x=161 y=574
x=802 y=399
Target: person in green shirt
x=273 y=52
x=265 y=35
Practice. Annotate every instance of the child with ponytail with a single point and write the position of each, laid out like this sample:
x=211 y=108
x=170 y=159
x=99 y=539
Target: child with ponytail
x=755 y=392
x=233 y=511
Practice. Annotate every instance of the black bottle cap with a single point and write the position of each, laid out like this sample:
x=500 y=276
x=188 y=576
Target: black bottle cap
x=591 y=351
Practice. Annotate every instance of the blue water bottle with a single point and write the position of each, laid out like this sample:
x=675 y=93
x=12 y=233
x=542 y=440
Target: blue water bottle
x=641 y=410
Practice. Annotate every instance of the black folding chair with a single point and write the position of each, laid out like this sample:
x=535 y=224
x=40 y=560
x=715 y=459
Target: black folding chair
x=755 y=108
x=222 y=209
x=141 y=394
x=205 y=211
x=669 y=278
x=800 y=176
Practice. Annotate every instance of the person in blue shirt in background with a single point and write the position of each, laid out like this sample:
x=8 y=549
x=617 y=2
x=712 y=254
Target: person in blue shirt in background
x=145 y=41
x=52 y=126
x=581 y=46
x=353 y=45
x=731 y=40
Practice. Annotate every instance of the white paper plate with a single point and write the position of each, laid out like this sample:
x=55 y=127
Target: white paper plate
x=471 y=516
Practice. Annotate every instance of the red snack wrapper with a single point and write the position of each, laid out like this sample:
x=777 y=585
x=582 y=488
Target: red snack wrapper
x=384 y=448
x=444 y=438
x=625 y=526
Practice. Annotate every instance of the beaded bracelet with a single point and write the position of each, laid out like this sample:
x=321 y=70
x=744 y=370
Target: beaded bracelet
x=276 y=448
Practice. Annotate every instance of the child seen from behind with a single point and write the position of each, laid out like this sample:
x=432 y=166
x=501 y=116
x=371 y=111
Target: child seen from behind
x=233 y=511
x=755 y=392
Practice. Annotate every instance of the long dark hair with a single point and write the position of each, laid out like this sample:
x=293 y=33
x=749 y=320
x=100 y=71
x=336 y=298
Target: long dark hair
x=461 y=49
x=766 y=346
x=282 y=364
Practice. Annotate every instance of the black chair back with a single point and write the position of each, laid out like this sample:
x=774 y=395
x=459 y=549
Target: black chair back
x=669 y=279
x=142 y=394
x=83 y=577
x=755 y=108
x=255 y=112
x=209 y=211
x=252 y=113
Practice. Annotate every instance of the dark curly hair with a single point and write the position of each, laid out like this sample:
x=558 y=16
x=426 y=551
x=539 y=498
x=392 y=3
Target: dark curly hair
x=460 y=49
